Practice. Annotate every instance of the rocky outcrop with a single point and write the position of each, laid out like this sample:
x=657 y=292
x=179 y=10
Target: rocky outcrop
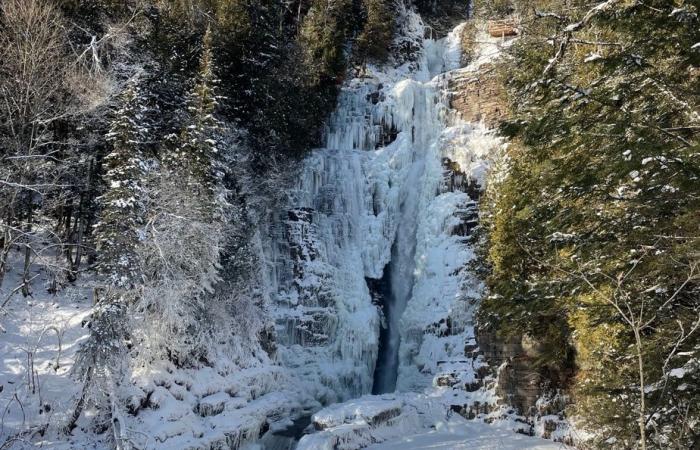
x=361 y=422
x=519 y=384
x=455 y=180
x=478 y=96
x=502 y=28
x=536 y=392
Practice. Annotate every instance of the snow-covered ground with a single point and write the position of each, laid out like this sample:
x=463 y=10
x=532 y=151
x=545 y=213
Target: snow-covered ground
x=40 y=336
x=233 y=402
x=460 y=434
x=419 y=420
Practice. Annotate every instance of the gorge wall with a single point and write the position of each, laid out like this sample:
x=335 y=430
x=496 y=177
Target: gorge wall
x=369 y=271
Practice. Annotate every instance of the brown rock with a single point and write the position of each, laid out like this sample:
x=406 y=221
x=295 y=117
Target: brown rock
x=479 y=96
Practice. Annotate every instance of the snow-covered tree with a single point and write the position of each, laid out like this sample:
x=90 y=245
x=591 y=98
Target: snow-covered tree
x=182 y=255
x=33 y=68
x=102 y=364
x=186 y=231
x=102 y=361
x=122 y=209
x=192 y=157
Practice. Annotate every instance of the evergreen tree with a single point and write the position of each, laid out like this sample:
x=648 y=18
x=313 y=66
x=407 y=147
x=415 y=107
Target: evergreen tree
x=375 y=39
x=194 y=156
x=594 y=235
x=322 y=35
x=189 y=201
x=122 y=209
x=102 y=362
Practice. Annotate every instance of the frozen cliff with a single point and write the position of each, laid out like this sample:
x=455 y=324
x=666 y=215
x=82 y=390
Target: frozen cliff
x=375 y=293
x=362 y=208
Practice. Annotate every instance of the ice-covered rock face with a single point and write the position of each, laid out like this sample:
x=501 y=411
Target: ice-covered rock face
x=372 y=199
x=437 y=324
x=432 y=374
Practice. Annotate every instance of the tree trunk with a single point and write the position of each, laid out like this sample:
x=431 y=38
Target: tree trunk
x=5 y=245
x=80 y=404
x=27 y=251
x=121 y=441
x=81 y=221
x=25 y=273
x=642 y=394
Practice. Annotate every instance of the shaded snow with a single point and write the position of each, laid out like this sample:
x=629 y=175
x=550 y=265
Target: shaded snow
x=457 y=433
x=36 y=389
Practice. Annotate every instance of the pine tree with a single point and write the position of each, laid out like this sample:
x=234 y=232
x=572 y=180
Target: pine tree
x=122 y=210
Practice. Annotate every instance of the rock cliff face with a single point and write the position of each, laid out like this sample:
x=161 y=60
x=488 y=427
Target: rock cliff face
x=518 y=383
x=478 y=96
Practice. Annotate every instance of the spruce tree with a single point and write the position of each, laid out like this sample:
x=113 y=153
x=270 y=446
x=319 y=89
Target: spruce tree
x=101 y=364
x=122 y=210
x=193 y=158
x=322 y=36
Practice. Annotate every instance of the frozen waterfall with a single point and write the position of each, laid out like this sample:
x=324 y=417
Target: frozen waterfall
x=359 y=214
x=400 y=281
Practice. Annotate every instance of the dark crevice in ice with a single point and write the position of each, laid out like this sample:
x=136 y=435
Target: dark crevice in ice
x=385 y=372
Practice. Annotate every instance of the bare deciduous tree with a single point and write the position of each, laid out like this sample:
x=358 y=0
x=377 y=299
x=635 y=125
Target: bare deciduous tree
x=33 y=65
x=639 y=315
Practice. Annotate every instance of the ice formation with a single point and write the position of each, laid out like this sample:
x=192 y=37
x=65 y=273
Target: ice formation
x=356 y=209
x=374 y=204
x=391 y=200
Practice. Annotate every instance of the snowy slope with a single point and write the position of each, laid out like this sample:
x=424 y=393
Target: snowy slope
x=41 y=334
